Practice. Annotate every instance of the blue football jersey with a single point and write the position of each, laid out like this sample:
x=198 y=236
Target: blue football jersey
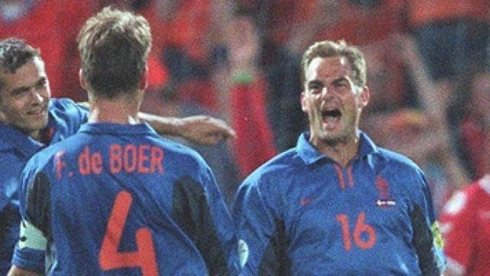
x=65 y=118
x=120 y=200
x=303 y=214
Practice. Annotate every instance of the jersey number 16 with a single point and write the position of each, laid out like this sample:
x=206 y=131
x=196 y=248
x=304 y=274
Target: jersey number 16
x=364 y=234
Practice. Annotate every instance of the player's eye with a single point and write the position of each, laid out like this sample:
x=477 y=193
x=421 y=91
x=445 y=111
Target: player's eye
x=19 y=93
x=341 y=83
x=314 y=87
x=41 y=83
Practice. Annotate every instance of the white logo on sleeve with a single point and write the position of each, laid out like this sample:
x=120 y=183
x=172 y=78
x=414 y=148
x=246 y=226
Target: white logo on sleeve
x=242 y=252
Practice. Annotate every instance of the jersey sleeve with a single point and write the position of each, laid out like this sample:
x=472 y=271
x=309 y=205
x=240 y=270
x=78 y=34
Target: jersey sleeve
x=261 y=231
x=35 y=227
x=427 y=239
x=200 y=211
x=458 y=223
x=10 y=169
x=73 y=114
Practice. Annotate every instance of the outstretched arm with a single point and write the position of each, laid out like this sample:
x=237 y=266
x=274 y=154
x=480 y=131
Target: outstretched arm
x=199 y=129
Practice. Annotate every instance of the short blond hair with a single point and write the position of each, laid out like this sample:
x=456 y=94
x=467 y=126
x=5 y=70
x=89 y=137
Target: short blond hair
x=326 y=49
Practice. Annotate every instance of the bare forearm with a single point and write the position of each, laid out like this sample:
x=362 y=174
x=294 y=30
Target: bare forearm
x=200 y=129
x=163 y=125
x=17 y=271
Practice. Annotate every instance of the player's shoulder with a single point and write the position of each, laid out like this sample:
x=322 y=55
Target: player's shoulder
x=401 y=171
x=65 y=105
x=180 y=153
x=38 y=164
x=41 y=158
x=62 y=104
x=177 y=148
x=11 y=163
x=5 y=147
x=283 y=166
x=397 y=160
x=12 y=139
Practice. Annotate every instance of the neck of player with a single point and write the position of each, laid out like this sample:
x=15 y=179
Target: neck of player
x=122 y=110
x=342 y=152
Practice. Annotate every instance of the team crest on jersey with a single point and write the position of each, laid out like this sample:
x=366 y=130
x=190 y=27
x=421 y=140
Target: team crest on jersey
x=385 y=199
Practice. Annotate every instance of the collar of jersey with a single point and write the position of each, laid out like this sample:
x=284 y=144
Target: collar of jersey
x=310 y=155
x=117 y=128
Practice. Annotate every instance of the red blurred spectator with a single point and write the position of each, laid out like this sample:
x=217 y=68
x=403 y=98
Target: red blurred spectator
x=52 y=26
x=372 y=24
x=189 y=26
x=465 y=228
x=365 y=22
x=452 y=35
x=428 y=11
x=426 y=141
x=475 y=126
x=254 y=144
x=157 y=74
x=190 y=35
x=285 y=28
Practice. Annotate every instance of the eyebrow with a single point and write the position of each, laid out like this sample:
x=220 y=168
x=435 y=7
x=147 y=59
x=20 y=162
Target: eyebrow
x=25 y=88
x=341 y=79
x=315 y=82
x=336 y=80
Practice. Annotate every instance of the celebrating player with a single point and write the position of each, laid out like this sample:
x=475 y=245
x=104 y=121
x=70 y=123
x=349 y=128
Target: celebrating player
x=30 y=120
x=336 y=204
x=114 y=197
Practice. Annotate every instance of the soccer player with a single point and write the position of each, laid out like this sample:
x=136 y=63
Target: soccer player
x=465 y=227
x=30 y=120
x=336 y=204
x=183 y=223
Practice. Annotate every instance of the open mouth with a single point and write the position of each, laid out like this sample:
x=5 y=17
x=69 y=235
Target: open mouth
x=331 y=118
x=331 y=114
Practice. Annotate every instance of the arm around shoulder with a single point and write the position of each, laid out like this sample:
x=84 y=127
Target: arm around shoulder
x=199 y=129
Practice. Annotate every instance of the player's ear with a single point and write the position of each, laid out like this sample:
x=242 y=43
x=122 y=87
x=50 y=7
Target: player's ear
x=365 y=95
x=81 y=78
x=144 y=79
x=303 y=100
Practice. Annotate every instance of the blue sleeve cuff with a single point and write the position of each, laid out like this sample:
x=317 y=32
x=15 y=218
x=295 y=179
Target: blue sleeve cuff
x=29 y=259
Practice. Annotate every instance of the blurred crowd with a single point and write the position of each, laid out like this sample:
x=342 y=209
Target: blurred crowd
x=428 y=71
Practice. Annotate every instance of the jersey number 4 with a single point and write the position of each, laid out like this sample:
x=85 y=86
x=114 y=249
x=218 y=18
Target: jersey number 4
x=364 y=234
x=110 y=257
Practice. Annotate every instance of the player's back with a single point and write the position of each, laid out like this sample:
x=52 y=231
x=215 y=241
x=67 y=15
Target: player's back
x=120 y=197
